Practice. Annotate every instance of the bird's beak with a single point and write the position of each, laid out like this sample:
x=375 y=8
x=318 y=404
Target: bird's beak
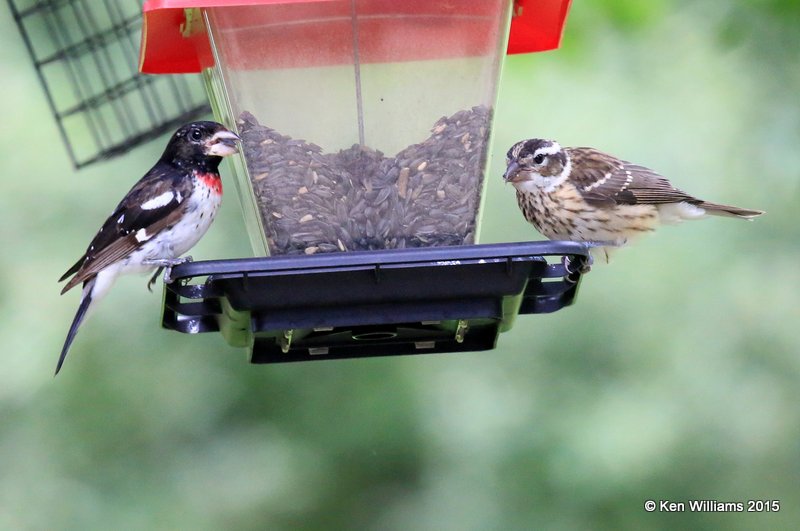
x=223 y=143
x=512 y=173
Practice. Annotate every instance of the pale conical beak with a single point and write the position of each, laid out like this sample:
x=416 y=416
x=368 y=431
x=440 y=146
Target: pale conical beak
x=511 y=172
x=223 y=143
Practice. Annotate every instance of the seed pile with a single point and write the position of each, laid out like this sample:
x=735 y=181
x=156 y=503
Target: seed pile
x=358 y=198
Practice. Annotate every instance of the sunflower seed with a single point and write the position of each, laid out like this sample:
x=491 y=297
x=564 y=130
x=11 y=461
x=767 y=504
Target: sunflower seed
x=360 y=199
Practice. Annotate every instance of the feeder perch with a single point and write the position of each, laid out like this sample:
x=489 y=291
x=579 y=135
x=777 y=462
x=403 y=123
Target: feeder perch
x=365 y=130
x=377 y=303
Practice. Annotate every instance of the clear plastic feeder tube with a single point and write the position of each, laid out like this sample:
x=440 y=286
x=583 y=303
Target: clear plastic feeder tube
x=365 y=123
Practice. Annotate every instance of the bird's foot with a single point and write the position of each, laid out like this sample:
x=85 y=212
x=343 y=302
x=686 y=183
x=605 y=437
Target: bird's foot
x=605 y=245
x=166 y=265
x=608 y=243
x=576 y=268
x=153 y=279
x=167 y=262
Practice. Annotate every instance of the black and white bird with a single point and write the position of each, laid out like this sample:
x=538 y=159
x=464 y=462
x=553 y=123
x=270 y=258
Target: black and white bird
x=584 y=195
x=163 y=216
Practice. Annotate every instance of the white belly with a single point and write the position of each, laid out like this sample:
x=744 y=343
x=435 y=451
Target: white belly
x=187 y=232
x=172 y=243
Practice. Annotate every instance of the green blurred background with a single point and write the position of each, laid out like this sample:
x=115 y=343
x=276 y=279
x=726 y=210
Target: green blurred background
x=675 y=376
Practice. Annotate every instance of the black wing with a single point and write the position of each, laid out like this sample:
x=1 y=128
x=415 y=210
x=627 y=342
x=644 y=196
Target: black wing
x=151 y=206
x=607 y=181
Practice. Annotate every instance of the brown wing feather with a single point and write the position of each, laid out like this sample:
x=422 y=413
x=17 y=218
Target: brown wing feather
x=604 y=180
x=110 y=254
x=74 y=269
x=119 y=249
x=116 y=239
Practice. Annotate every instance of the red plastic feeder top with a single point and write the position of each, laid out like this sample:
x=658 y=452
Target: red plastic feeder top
x=169 y=47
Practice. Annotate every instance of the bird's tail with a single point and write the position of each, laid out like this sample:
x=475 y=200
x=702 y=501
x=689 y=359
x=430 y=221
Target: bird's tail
x=86 y=301
x=730 y=211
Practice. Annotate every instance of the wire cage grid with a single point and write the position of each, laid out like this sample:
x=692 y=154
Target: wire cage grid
x=85 y=53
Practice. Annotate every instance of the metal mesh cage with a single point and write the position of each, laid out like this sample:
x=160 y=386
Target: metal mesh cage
x=86 y=55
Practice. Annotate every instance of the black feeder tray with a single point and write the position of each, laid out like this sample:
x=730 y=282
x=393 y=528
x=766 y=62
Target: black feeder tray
x=372 y=303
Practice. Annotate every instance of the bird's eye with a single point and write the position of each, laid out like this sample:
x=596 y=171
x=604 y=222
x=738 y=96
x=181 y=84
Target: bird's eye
x=538 y=159
x=196 y=134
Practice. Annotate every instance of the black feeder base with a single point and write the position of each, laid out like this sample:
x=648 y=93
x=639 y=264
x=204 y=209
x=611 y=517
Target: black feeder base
x=372 y=303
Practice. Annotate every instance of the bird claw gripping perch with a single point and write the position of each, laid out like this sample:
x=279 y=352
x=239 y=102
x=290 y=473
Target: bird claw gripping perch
x=152 y=281
x=576 y=268
x=609 y=243
x=605 y=245
x=165 y=265
x=582 y=266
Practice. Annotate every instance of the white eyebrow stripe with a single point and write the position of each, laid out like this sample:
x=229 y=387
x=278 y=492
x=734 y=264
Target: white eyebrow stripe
x=552 y=149
x=158 y=201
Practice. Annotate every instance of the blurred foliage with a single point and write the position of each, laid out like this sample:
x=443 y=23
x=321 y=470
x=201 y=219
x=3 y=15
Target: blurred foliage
x=675 y=376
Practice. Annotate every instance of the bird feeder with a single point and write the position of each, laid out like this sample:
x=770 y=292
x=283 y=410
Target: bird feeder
x=365 y=129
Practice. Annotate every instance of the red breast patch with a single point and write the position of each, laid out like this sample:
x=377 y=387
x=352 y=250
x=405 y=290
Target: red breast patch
x=212 y=180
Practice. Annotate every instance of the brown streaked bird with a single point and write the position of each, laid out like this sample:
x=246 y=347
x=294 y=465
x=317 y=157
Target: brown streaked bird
x=584 y=195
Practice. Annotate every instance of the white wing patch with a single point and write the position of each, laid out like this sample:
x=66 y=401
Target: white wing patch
x=158 y=201
x=142 y=236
